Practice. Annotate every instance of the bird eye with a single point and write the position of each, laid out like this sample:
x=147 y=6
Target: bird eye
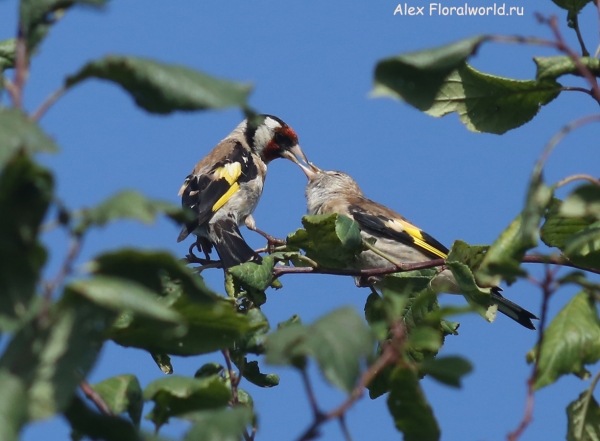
x=281 y=139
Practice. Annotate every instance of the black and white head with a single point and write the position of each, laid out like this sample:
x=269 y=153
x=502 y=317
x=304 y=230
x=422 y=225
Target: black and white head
x=272 y=138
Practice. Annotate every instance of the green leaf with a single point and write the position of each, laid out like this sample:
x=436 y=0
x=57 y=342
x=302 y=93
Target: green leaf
x=470 y=255
x=152 y=269
x=220 y=425
x=478 y=298
x=18 y=133
x=439 y=81
x=7 y=54
x=253 y=276
x=558 y=228
x=554 y=67
x=127 y=204
x=412 y=413
x=583 y=248
x=177 y=396
x=13 y=406
x=164 y=88
x=584 y=201
x=252 y=373
x=571 y=341
x=51 y=356
x=337 y=341
x=36 y=17
x=211 y=325
x=332 y=240
x=447 y=370
x=503 y=259
x=25 y=192
x=116 y=294
x=584 y=418
x=417 y=77
x=97 y=426
x=122 y=393
x=489 y=103
x=572 y=5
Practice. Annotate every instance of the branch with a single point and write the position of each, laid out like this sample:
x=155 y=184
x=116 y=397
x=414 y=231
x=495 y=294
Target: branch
x=65 y=270
x=558 y=137
x=548 y=288
x=20 y=69
x=562 y=46
x=575 y=21
x=582 y=177
x=40 y=111
x=95 y=397
x=390 y=354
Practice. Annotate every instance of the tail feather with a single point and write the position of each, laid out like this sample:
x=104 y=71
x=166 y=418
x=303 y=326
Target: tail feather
x=230 y=245
x=513 y=311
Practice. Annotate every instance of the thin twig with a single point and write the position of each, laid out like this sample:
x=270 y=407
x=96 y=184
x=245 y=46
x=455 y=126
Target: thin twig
x=233 y=379
x=548 y=288
x=576 y=89
x=578 y=177
x=552 y=22
x=586 y=404
x=558 y=137
x=344 y=428
x=312 y=399
x=95 y=397
x=65 y=269
x=40 y=111
x=584 y=51
x=20 y=69
x=390 y=354
x=11 y=89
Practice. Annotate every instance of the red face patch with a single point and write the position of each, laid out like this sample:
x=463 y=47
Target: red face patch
x=271 y=151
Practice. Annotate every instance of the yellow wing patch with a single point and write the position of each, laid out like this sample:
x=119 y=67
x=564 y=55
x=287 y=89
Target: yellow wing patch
x=415 y=233
x=232 y=190
x=231 y=172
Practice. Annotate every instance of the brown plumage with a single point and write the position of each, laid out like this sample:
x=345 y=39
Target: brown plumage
x=393 y=235
x=225 y=186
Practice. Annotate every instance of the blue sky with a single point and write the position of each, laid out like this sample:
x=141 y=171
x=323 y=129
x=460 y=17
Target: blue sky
x=312 y=64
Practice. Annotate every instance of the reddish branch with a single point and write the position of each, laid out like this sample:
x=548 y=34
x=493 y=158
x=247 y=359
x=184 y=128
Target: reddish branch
x=562 y=46
x=95 y=397
x=390 y=354
x=548 y=288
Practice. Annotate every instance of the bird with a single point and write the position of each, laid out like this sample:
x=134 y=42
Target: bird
x=394 y=236
x=225 y=186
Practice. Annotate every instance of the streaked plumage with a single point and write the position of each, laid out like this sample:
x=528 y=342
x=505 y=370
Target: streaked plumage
x=225 y=186
x=336 y=192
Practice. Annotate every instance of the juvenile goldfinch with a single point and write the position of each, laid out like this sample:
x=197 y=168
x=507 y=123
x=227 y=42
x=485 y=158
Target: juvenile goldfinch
x=225 y=186
x=395 y=237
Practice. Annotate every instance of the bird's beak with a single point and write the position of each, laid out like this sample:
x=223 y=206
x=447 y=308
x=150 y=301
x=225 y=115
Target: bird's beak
x=311 y=171
x=294 y=153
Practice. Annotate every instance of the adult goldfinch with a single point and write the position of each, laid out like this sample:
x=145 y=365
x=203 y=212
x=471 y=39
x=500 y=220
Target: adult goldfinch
x=225 y=186
x=395 y=237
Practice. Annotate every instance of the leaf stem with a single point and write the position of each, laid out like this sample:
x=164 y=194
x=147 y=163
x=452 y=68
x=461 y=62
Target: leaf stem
x=586 y=404
x=95 y=397
x=48 y=102
x=562 y=46
x=577 y=177
x=548 y=288
x=65 y=270
x=584 y=51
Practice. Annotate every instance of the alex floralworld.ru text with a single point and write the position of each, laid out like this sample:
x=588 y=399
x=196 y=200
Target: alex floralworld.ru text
x=466 y=9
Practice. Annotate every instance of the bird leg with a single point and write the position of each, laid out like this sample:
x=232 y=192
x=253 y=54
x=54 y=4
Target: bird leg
x=272 y=242
x=202 y=244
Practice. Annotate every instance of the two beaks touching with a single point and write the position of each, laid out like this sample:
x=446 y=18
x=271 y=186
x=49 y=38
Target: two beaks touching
x=225 y=187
